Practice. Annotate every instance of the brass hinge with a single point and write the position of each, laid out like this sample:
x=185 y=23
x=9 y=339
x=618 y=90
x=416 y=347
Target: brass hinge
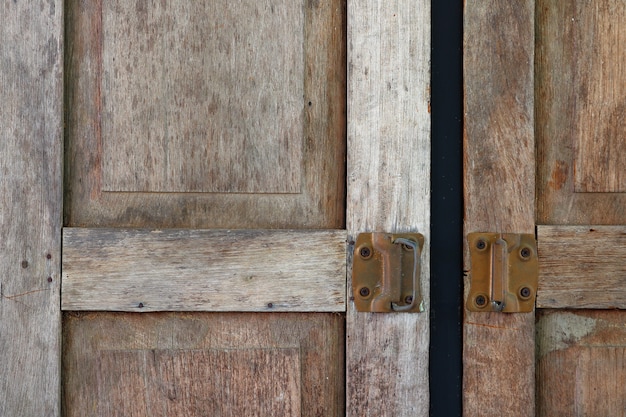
x=386 y=272
x=504 y=272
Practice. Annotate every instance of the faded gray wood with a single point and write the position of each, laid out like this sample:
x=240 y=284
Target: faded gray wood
x=388 y=190
x=154 y=116
x=236 y=109
x=31 y=132
x=499 y=177
x=173 y=364
x=581 y=363
x=203 y=270
x=582 y=267
x=580 y=106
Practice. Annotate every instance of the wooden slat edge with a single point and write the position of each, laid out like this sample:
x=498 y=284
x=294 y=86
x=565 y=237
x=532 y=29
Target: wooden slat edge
x=499 y=165
x=388 y=191
x=203 y=270
x=31 y=139
x=582 y=267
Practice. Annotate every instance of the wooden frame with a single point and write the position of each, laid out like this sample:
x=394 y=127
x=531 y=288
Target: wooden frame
x=388 y=190
x=499 y=164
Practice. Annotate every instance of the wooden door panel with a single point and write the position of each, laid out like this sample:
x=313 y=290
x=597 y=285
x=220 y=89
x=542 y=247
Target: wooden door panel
x=578 y=94
x=580 y=104
x=581 y=363
x=216 y=364
x=208 y=115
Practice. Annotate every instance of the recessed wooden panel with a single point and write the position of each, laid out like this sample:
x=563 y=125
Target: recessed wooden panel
x=581 y=363
x=203 y=270
x=205 y=114
x=162 y=382
x=582 y=267
x=202 y=96
x=580 y=105
x=598 y=35
x=174 y=364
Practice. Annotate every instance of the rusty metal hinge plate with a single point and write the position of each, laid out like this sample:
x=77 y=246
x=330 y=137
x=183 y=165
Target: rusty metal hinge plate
x=386 y=272
x=504 y=272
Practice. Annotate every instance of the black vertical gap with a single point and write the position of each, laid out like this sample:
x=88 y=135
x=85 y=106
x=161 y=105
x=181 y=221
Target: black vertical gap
x=447 y=209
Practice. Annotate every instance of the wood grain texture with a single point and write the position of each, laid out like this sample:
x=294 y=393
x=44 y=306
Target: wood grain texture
x=582 y=267
x=579 y=109
x=202 y=270
x=581 y=363
x=31 y=132
x=388 y=190
x=499 y=166
x=298 y=144
x=176 y=364
x=227 y=96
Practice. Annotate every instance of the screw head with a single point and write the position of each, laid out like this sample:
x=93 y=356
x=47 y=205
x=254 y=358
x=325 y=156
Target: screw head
x=364 y=292
x=481 y=244
x=525 y=253
x=408 y=299
x=525 y=292
x=365 y=252
x=481 y=301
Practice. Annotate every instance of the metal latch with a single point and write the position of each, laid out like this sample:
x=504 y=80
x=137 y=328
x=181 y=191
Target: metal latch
x=386 y=272
x=504 y=272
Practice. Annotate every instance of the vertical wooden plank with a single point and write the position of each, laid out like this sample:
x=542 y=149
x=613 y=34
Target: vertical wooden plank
x=388 y=190
x=31 y=71
x=499 y=194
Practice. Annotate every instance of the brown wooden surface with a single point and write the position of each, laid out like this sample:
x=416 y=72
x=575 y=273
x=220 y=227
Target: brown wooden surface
x=203 y=270
x=175 y=364
x=31 y=132
x=582 y=267
x=183 y=108
x=132 y=122
x=499 y=164
x=581 y=364
x=579 y=109
x=388 y=191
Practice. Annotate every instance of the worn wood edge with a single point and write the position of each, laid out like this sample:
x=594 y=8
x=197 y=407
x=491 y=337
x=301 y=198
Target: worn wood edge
x=31 y=138
x=582 y=267
x=388 y=191
x=499 y=177
x=203 y=270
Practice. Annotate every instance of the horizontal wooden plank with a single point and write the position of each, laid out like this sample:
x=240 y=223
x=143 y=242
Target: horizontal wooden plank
x=203 y=270
x=581 y=267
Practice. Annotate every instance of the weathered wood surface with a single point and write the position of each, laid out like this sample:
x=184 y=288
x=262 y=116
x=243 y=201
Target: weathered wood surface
x=581 y=363
x=31 y=135
x=582 y=267
x=213 y=364
x=388 y=190
x=499 y=164
x=236 y=109
x=580 y=108
x=202 y=270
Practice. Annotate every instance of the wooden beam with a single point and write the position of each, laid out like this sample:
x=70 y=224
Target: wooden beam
x=388 y=190
x=31 y=134
x=581 y=267
x=499 y=195
x=203 y=270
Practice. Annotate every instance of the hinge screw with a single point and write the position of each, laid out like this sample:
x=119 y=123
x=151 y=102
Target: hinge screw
x=364 y=292
x=525 y=292
x=481 y=301
x=408 y=299
x=525 y=252
x=365 y=252
x=481 y=244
